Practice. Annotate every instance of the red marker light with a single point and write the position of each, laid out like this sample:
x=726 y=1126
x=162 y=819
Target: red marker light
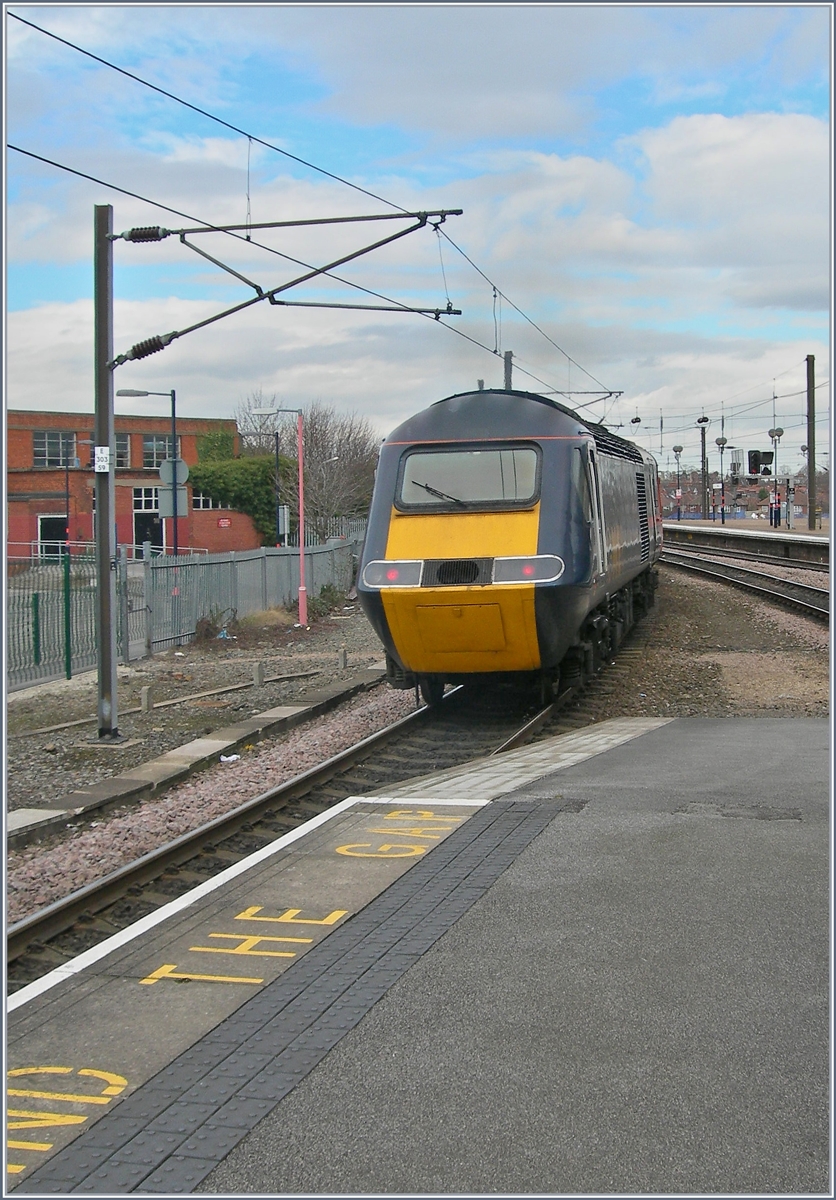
x=528 y=569
x=392 y=574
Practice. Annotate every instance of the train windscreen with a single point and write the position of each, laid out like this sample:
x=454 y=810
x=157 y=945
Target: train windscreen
x=504 y=477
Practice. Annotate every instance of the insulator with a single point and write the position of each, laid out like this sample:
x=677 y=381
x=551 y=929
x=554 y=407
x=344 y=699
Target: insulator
x=146 y=233
x=150 y=346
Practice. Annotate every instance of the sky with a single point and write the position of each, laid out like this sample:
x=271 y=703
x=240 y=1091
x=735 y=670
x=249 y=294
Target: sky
x=645 y=194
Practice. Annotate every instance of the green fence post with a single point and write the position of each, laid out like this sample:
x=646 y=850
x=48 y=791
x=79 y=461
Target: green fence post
x=36 y=627
x=68 y=623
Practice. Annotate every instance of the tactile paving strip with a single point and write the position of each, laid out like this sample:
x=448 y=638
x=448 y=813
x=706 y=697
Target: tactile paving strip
x=173 y=1130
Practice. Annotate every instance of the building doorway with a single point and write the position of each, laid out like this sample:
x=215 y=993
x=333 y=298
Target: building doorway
x=52 y=536
x=147 y=524
x=147 y=528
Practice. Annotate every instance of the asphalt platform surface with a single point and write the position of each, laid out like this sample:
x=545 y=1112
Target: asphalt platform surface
x=639 y=1003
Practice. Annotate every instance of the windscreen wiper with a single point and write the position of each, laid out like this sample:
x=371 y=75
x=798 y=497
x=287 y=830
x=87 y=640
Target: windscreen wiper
x=441 y=495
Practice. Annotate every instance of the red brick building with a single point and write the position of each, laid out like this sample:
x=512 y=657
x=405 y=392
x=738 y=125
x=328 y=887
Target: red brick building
x=50 y=485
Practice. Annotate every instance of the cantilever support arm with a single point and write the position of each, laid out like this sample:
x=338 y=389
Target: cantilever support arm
x=154 y=344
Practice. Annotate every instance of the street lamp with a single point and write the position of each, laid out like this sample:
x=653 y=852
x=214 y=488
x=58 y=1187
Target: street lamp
x=722 y=442
x=174 y=455
x=776 y=435
x=272 y=412
x=677 y=452
x=703 y=422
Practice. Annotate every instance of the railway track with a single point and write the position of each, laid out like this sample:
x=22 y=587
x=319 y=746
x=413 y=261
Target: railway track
x=468 y=726
x=802 y=597
x=776 y=560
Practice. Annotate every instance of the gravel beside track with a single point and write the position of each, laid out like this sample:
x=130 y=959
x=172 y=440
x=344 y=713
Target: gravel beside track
x=43 y=767
x=704 y=650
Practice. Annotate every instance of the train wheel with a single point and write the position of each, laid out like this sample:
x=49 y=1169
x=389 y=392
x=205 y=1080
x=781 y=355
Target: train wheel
x=432 y=689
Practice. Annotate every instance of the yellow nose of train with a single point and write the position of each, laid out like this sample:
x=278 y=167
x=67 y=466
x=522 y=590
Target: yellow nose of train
x=469 y=623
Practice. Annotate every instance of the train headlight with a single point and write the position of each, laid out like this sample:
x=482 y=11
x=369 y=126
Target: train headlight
x=393 y=573
x=535 y=568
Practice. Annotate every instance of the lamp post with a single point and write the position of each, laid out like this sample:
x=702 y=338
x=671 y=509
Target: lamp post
x=703 y=422
x=776 y=435
x=677 y=452
x=300 y=450
x=174 y=455
x=722 y=443
x=278 y=497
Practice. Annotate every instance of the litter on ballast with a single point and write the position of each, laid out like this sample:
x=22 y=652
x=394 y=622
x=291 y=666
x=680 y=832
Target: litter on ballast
x=228 y=758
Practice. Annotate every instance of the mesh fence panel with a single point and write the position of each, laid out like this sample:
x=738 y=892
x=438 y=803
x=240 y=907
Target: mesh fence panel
x=159 y=601
x=42 y=600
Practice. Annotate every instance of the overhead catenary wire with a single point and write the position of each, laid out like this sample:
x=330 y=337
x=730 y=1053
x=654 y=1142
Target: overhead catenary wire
x=269 y=249
x=205 y=113
x=525 y=317
x=205 y=224
x=314 y=167
x=328 y=174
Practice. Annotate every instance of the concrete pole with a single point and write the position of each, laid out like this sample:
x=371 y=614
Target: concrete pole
x=108 y=716
x=509 y=354
x=811 y=441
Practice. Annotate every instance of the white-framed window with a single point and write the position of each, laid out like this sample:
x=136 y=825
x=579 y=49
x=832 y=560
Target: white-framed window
x=156 y=448
x=201 y=500
x=123 y=449
x=53 y=448
x=146 y=499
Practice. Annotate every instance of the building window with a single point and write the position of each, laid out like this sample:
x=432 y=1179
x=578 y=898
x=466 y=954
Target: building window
x=123 y=449
x=53 y=448
x=146 y=499
x=156 y=449
x=201 y=500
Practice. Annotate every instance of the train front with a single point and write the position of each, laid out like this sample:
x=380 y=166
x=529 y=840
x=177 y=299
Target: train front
x=455 y=551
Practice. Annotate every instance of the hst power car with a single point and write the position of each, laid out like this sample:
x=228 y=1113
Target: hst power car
x=507 y=535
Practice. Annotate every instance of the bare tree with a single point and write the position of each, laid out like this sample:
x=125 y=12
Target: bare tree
x=258 y=433
x=340 y=457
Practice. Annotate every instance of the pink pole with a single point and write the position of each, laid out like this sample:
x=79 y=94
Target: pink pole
x=303 y=591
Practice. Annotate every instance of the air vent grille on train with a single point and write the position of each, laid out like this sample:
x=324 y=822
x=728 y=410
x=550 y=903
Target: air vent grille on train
x=456 y=572
x=644 y=528
x=616 y=447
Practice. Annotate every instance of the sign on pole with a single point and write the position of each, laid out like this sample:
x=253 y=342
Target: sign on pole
x=167 y=467
x=166 y=499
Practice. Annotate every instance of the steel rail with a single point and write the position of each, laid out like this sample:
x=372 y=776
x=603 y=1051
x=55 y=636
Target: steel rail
x=60 y=916
x=698 y=564
x=771 y=560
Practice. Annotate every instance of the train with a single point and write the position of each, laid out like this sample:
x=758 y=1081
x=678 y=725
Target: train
x=508 y=537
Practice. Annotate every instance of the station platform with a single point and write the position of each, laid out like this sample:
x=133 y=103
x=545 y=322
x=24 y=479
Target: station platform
x=596 y=964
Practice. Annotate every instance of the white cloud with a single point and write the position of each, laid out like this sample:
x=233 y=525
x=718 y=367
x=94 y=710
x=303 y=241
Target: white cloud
x=672 y=265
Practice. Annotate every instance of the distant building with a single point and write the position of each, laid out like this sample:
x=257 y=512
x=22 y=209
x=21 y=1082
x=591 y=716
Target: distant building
x=51 y=485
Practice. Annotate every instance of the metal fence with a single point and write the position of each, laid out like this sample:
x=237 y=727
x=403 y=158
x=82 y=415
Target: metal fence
x=50 y=617
x=51 y=610
x=225 y=587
